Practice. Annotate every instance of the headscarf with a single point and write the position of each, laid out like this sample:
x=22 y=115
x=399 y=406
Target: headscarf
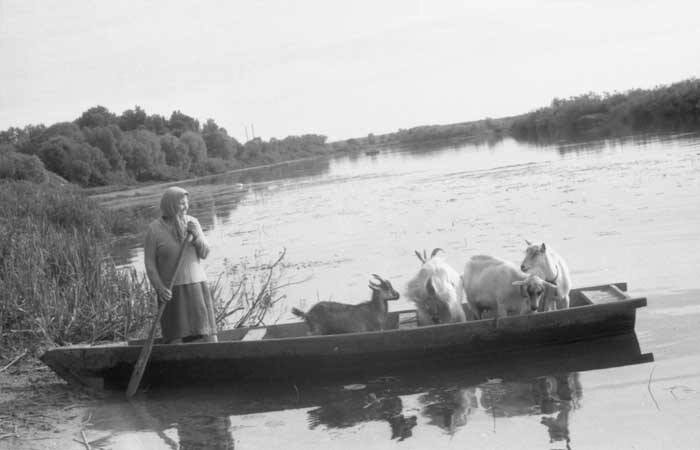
x=170 y=209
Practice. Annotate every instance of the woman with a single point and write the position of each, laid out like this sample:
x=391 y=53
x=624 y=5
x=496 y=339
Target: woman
x=189 y=314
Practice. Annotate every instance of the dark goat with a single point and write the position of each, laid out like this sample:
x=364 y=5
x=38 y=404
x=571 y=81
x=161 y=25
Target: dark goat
x=339 y=318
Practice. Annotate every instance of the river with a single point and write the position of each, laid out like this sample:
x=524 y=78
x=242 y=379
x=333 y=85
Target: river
x=616 y=210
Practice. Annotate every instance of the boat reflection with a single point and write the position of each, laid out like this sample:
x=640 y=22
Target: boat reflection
x=541 y=383
x=205 y=432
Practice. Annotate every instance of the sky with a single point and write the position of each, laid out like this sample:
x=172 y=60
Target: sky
x=342 y=69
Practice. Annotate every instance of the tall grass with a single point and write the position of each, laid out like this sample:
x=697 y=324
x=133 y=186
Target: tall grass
x=57 y=283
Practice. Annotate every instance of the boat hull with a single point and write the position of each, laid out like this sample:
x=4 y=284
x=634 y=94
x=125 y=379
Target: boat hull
x=276 y=356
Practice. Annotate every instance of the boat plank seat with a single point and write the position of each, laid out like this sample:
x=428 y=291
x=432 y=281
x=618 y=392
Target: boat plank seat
x=598 y=295
x=407 y=319
x=604 y=294
x=284 y=330
x=255 y=334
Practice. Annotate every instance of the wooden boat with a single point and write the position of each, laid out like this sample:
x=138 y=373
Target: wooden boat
x=285 y=351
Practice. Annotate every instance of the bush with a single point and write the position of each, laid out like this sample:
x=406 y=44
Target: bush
x=18 y=166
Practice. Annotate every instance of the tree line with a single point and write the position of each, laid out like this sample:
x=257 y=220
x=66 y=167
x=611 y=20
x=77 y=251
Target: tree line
x=667 y=107
x=101 y=148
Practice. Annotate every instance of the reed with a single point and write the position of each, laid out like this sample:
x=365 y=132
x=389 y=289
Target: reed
x=58 y=284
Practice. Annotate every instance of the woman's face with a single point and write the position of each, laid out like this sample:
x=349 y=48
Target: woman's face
x=183 y=205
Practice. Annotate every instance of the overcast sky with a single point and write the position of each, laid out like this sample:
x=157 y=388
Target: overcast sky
x=343 y=69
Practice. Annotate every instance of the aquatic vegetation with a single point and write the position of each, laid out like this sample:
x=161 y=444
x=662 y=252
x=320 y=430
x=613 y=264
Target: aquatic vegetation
x=58 y=284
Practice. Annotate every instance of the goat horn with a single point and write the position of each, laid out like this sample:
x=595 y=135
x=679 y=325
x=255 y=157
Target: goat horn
x=435 y=251
x=377 y=277
x=419 y=256
x=528 y=242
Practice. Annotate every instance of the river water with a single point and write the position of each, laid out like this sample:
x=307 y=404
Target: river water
x=616 y=210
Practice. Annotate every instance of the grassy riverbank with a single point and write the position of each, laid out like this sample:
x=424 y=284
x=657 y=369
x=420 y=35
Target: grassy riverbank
x=58 y=285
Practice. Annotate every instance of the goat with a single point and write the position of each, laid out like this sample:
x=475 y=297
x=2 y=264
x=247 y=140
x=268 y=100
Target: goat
x=498 y=285
x=544 y=262
x=338 y=318
x=436 y=291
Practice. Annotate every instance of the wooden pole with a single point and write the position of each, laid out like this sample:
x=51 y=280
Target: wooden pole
x=144 y=356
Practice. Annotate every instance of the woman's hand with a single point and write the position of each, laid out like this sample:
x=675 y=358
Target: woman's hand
x=164 y=294
x=193 y=229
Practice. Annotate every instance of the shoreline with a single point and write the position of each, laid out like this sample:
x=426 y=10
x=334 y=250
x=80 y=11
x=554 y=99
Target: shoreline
x=36 y=406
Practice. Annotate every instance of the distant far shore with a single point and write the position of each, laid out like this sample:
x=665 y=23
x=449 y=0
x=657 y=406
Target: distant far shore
x=103 y=152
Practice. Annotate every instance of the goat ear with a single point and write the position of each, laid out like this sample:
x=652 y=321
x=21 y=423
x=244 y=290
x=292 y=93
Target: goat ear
x=543 y=248
x=518 y=283
x=373 y=286
x=552 y=285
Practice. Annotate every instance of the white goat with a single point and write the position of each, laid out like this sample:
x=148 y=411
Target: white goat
x=544 y=262
x=339 y=318
x=436 y=291
x=497 y=285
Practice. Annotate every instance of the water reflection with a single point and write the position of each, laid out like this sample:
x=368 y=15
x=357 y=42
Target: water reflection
x=543 y=387
x=598 y=144
x=363 y=407
x=449 y=408
x=205 y=432
x=554 y=396
x=457 y=143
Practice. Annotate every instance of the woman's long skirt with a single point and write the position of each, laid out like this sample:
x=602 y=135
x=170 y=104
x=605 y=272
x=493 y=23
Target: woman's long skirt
x=190 y=313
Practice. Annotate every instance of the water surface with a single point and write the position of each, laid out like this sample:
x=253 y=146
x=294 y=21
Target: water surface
x=617 y=210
